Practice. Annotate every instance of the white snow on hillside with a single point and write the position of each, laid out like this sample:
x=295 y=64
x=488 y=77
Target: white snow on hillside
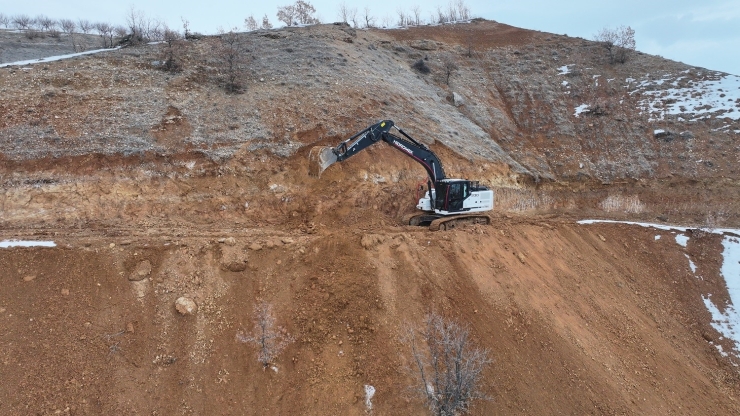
x=564 y=70
x=580 y=109
x=725 y=317
x=690 y=96
x=54 y=58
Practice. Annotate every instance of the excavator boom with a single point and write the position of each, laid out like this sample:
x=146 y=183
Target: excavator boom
x=321 y=157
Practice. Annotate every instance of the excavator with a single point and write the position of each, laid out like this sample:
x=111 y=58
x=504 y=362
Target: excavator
x=446 y=204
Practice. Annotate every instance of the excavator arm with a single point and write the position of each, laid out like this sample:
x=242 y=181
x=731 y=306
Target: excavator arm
x=324 y=157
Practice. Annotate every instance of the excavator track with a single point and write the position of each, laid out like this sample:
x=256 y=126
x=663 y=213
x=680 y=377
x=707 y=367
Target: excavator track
x=437 y=222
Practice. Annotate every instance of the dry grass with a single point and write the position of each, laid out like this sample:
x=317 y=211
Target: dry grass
x=620 y=203
x=522 y=200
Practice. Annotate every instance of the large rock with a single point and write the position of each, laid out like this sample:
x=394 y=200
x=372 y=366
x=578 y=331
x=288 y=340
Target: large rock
x=234 y=266
x=186 y=306
x=458 y=99
x=424 y=45
x=233 y=259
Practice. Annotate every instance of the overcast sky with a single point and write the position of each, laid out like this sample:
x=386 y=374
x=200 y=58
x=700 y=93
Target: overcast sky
x=698 y=33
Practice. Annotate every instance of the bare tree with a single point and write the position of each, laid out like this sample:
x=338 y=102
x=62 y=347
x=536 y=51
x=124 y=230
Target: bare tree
x=22 y=21
x=105 y=30
x=305 y=13
x=4 y=20
x=185 y=27
x=85 y=26
x=368 y=18
x=68 y=26
x=141 y=28
x=452 y=12
x=34 y=24
x=287 y=14
x=416 y=10
x=449 y=66
x=120 y=31
x=353 y=17
x=343 y=13
x=441 y=15
x=447 y=366
x=45 y=23
x=135 y=22
x=171 y=50
x=232 y=59
x=266 y=22
x=154 y=30
x=402 y=18
x=251 y=24
x=269 y=339
x=463 y=10
x=619 y=42
x=301 y=12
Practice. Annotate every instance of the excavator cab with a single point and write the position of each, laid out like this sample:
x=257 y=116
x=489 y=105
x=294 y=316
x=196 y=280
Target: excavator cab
x=450 y=194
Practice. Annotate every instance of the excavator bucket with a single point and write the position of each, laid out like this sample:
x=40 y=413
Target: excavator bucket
x=320 y=158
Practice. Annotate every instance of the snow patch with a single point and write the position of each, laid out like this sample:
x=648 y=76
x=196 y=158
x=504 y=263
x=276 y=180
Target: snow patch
x=564 y=70
x=369 y=393
x=55 y=58
x=682 y=240
x=726 y=323
x=581 y=108
x=657 y=237
x=19 y=243
x=691 y=264
x=641 y=224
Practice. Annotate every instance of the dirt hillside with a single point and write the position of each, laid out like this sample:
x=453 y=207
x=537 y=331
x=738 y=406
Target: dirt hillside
x=156 y=185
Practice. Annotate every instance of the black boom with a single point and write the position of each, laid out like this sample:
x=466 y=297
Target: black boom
x=406 y=144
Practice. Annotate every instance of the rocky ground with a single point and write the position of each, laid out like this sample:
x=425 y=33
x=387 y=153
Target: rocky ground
x=157 y=185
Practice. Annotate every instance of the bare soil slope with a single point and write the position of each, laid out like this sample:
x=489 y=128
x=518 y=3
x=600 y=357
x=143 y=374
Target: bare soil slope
x=156 y=186
x=599 y=319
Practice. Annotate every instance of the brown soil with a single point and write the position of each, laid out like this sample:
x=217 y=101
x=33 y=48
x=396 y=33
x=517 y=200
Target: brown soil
x=599 y=319
x=198 y=197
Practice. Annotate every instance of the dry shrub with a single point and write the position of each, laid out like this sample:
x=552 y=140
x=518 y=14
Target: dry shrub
x=421 y=66
x=269 y=339
x=510 y=199
x=447 y=366
x=232 y=60
x=172 y=50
